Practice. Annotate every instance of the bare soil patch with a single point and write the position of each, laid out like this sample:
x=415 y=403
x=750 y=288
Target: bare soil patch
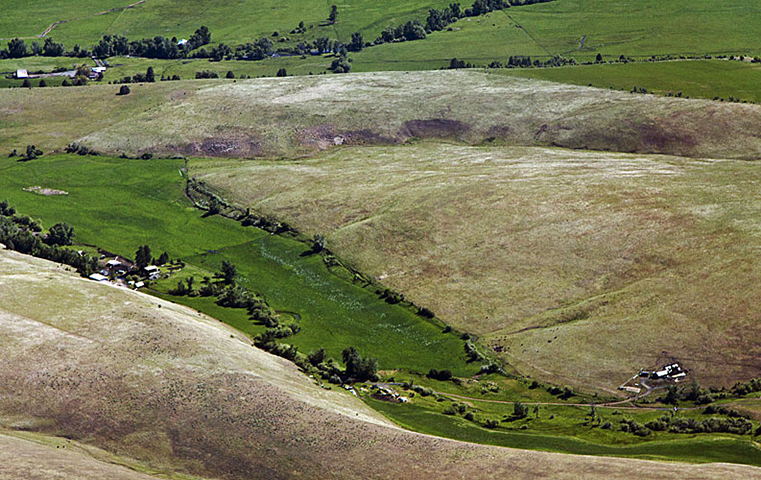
x=45 y=191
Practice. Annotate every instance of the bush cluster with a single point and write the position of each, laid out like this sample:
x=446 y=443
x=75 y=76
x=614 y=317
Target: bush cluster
x=17 y=233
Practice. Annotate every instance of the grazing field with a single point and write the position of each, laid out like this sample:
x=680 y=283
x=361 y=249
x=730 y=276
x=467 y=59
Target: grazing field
x=230 y=22
x=297 y=116
x=120 y=204
x=710 y=79
x=730 y=449
x=612 y=262
x=571 y=28
x=37 y=456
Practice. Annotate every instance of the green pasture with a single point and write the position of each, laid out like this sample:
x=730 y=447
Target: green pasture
x=695 y=79
x=186 y=69
x=119 y=204
x=572 y=28
x=230 y=22
x=568 y=432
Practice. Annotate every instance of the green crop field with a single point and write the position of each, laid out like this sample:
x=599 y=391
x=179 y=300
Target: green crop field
x=120 y=204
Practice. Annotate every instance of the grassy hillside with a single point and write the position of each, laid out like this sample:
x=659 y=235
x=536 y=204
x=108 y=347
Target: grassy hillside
x=224 y=409
x=39 y=456
x=230 y=22
x=636 y=28
x=301 y=115
x=612 y=262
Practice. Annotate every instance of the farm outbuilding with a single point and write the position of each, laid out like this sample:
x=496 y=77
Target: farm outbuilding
x=98 y=277
x=152 y=271
x=22 y=73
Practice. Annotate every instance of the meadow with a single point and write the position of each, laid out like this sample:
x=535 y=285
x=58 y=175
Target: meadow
x=709 y=79
x=640 y=29
x=230 y=22
x=698 y=448
x=120 y=204
x=297 y=116
x=569 y=28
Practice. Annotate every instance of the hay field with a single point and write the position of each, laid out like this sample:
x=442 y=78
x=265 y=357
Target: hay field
x=610 y=262
x=164 y=390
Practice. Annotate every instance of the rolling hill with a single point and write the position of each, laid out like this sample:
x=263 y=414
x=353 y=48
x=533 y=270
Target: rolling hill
x=297 y=116
x=632 y=246
x=101 y=378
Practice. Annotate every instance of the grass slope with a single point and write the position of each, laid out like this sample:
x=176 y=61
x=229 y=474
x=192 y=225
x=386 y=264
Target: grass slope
x=120 y=204
x=612 y=262
x=297 y=116
x=634 y=28
x=169 y=390
x=42 y=457
x=230 y=22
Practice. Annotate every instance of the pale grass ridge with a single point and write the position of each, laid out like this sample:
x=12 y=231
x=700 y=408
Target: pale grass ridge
x=296 y=116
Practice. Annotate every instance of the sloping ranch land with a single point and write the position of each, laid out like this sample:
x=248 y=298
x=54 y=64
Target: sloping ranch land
x=582 y=266
x=162 y=389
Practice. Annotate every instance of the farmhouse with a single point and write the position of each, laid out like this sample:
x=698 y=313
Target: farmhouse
x=152 y=271
x=22 y=73
x=673 y=370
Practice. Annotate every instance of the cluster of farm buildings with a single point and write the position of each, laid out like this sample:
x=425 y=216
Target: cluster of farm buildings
x=672 y=371
x=94 y=72
x=116 y=270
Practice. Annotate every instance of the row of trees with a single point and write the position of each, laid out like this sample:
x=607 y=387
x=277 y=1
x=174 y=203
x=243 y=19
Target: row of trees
x=112 y=45
x=164 y=48
x=156 y=47
x=516 y=61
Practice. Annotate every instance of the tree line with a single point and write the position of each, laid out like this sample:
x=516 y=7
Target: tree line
x=23 y=234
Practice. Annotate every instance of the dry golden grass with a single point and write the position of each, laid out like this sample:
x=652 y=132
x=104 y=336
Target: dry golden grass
x=42 y=458
x=170 y=392
x=299 y=115
x=584 y=266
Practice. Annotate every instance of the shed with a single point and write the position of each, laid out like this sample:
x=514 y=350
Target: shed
x=98 y=277
x=22 y=73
